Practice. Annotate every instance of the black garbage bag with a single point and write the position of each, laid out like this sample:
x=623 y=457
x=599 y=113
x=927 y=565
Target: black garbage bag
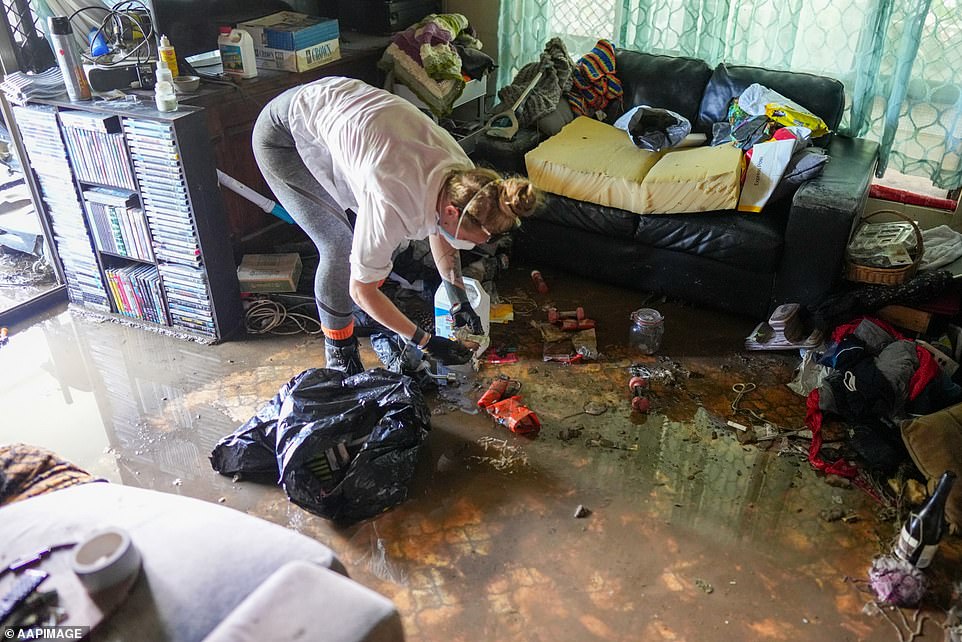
x=653 y=128
x=342 y=447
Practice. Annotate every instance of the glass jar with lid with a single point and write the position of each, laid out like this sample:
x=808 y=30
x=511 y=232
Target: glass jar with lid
x=646 y=331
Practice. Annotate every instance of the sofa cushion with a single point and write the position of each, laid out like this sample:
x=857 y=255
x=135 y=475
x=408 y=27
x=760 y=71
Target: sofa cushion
x=701 y=179
x=200 y=559
x=585 y=217
x=823 y=96
x=300 y=598
x=751 y=242
x=669 y=82
x=934 y=442
x=594 y=162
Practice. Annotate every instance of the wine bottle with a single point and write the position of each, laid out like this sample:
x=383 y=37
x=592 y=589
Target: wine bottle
x=922 y=531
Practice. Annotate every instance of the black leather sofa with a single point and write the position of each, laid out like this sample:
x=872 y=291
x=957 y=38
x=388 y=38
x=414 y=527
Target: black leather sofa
x=740 y=262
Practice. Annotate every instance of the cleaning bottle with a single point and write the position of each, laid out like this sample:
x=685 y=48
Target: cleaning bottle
x=237 y=53
x=922 y=532
x=165 y=51
x=164 y=95
x=480 y=303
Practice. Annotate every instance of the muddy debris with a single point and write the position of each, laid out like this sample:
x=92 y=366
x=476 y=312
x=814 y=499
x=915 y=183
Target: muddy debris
x=704 y=586
x=567 y=434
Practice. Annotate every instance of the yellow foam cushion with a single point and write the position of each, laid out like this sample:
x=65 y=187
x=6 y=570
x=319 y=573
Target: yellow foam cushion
x=592 y=161
x=701 y=179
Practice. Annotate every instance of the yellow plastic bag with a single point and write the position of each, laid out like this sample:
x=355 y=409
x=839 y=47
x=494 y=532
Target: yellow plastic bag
x=792 y=117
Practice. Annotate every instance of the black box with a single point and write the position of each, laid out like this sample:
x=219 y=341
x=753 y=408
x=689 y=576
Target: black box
x=383 y=16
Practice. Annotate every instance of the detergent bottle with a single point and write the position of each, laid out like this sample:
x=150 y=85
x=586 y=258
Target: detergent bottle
x=480 y=302
x=237 y=53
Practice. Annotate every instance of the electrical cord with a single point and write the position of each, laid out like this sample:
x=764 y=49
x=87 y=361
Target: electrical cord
x=267 y=316
x=117 y=14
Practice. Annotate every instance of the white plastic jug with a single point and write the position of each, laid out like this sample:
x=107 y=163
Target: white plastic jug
x=479 y=299
x=237 y=53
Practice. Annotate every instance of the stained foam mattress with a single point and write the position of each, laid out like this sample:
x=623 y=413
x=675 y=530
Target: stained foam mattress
x=595 y=162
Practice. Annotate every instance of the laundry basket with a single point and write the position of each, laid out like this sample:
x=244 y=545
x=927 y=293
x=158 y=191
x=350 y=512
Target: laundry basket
x=866 y=232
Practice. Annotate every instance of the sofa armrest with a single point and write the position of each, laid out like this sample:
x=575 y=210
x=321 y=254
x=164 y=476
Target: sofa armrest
x=820 y=221
x=308 y=602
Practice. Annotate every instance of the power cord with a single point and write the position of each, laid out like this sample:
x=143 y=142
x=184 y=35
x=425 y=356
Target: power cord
x=267 y=316
x=125 y=10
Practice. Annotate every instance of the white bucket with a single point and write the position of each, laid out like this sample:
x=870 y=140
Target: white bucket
x=480 y=301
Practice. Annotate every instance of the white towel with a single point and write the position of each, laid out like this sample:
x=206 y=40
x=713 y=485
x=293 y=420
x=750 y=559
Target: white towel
x=942 y=246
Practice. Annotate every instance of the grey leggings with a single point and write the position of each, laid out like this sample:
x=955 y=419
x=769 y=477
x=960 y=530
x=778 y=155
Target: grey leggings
x=311 y=207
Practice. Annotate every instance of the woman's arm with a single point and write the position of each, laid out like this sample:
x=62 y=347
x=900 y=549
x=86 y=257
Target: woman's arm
x=447 y=259
x=379 y=306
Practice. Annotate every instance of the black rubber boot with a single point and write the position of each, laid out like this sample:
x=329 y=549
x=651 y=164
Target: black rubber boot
x=343 y=355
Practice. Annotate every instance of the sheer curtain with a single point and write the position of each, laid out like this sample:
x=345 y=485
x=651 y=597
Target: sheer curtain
x=897 y=58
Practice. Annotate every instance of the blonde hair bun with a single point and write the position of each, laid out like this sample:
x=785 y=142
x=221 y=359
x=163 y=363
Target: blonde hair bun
x=518 y=196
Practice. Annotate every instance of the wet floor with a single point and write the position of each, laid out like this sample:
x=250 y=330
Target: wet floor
x=689 y=534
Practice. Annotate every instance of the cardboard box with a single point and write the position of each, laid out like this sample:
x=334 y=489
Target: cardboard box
x=269 y=272
x=905 y=317
x=301 y=60
x=290 y=31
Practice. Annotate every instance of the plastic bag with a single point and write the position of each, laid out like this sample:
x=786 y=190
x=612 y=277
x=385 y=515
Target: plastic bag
x=344 y=448
x=758 y=100
x=653 y=128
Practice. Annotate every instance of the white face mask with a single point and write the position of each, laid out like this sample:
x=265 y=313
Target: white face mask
x=456 y=243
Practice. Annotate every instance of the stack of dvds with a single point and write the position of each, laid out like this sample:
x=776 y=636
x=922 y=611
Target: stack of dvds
x=163 y=189
x=48 y=158
x=136 y=292
x=95 y=144
x=117 y=224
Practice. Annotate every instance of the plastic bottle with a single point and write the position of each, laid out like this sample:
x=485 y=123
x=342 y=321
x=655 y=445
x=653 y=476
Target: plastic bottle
x=74 y=77
x=480 y=302
x=164 y=95
x=922 y=532
x=165 y=51
x=237 y=53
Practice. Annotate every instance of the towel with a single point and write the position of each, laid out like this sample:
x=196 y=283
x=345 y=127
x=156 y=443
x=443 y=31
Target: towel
x=942 y=244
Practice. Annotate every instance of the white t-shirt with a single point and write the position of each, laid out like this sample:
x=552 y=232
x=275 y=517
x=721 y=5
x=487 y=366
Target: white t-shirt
x=378 y=155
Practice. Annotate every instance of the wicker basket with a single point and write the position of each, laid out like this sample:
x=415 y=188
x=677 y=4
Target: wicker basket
x=885 y=276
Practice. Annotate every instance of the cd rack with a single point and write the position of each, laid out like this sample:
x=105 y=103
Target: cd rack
x=132 y=197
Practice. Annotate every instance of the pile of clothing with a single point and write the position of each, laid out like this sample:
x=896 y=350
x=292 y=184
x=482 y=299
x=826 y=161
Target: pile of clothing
x=434 y=58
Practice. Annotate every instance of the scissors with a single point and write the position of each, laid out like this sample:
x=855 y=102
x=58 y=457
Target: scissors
x=740 y=390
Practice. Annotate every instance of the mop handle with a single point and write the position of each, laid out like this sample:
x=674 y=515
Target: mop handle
x=259 y=200
x=527 y=90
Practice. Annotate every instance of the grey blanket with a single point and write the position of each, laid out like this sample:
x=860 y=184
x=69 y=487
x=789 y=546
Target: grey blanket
x=556 y=67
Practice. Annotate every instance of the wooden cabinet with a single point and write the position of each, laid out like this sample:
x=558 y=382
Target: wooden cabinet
x=231 y=112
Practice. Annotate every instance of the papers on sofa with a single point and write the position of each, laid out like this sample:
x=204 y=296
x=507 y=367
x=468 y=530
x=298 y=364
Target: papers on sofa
x=768 y=163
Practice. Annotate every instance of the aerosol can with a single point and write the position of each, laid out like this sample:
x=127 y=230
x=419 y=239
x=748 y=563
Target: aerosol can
x=61 y=36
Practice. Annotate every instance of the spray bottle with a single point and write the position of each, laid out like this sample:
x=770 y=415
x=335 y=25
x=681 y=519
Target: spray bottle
x=61 y=36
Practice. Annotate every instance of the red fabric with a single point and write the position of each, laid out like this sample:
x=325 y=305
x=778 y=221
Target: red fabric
x=813 y=419
x=910 y=198
x=923 y=375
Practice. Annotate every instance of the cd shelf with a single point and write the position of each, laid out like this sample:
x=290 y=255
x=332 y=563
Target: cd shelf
x=138 y=220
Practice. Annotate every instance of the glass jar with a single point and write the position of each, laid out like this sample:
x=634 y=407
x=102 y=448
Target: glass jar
x=647 y=328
